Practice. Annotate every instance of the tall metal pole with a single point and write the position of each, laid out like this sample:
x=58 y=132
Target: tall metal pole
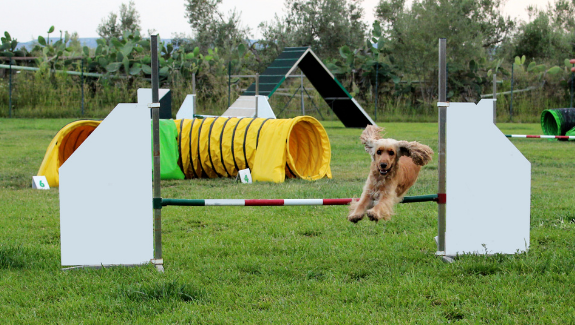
x=82 y=85
x=156 y=144
x=302 y=90
x=376 y=88
x=511 y=99
x=10 y=91
x=229 y=83
x=194 y=91
x=257 y=91
x=442 y=96
x=571 y=103
x=494 y=98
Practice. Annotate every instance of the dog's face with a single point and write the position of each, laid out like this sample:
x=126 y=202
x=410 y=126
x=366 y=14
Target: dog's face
x=384 y=154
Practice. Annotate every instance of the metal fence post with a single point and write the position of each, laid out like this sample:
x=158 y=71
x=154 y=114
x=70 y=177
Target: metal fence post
x=511 y=99
x=257 y=91
x=194 y=92
x=82 y=85
x=302 y=90
x=229 y=83
x=10 y=90
x=376 y=90
x=158 y=261
x=494 y=98
x=571 y=103
x=442 y=96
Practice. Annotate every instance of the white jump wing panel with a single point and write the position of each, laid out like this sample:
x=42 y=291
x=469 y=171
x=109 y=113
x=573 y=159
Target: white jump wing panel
x=106 y=193
x=488 y=185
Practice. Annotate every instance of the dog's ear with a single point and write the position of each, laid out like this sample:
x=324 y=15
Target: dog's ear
x=419 y=153
x=368 y=137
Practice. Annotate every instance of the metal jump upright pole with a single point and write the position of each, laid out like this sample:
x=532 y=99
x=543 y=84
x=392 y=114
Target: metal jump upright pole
x=494 y=98
x=229 y=83
x=257 y=92
x=194 y=91
x=155 y=106
x=572 y=75
x=442 y=106
x=511 y=96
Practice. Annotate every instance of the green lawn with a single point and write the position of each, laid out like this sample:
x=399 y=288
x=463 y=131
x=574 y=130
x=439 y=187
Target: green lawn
x=227 y=265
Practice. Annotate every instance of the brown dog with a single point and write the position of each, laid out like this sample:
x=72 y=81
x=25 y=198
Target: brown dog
x=394 y=169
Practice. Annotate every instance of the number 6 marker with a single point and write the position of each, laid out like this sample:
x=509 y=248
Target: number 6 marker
x=40 y=183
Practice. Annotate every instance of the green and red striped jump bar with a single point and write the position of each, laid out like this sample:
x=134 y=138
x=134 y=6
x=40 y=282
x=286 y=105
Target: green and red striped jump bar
x=561 y=137
x=275 y=202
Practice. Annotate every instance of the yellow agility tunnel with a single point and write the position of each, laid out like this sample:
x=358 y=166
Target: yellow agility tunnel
x=273 y=149
x=66 y=141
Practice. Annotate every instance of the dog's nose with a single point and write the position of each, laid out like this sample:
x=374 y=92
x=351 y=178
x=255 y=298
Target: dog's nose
x=383 y=165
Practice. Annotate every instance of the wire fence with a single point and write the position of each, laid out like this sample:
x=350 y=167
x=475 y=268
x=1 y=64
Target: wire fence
x=299 y=98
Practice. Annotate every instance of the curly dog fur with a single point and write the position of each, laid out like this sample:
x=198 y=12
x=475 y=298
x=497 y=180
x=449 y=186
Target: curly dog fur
x=394 y=169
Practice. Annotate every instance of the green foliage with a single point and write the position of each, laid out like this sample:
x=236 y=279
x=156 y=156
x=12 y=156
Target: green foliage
x=473 y=29
x=470 y=27
x=549 y=33
x=129 y=21
x=537 y=72
x=399 y=51
x=538 y=39
x=124 y=63
x=8 y=47
x=364 y=62
x=125 y=55
x=325 y=25
x=51 y=52
x=213 y=28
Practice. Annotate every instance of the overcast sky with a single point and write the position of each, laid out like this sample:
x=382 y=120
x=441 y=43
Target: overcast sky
x=26 y=19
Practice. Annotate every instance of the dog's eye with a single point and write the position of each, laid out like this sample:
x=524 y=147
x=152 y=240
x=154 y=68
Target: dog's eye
x=391 y=153
x=378 y=152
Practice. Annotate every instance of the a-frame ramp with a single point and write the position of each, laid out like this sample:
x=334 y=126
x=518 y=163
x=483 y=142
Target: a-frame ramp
x=345 y=107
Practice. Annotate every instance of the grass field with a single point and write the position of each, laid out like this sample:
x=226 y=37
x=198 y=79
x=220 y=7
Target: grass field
x=290 y=265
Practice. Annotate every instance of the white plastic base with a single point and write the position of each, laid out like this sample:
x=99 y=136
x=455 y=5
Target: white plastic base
x=245 y=106
x=187 y=110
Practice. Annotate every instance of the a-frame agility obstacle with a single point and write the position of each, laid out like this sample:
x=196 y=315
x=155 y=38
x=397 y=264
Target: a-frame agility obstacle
x=345 y=107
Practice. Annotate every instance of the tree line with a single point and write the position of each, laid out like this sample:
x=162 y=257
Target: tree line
x=394 y=59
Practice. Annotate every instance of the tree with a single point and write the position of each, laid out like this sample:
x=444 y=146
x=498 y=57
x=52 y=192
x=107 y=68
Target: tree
x=129 y=18
x=74 y=45
x=474 y=31
x=212 y=28
x=389 y=12
x=129 y=21
x=325 y=25
x=471 y=28
x=549 y=33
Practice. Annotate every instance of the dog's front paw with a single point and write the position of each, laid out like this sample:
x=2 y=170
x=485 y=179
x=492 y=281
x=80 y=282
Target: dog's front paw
x=376 y=216
x=355 y=217
x=373 y=216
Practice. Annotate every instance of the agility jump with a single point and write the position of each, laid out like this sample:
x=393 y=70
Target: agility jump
x=483 y=204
